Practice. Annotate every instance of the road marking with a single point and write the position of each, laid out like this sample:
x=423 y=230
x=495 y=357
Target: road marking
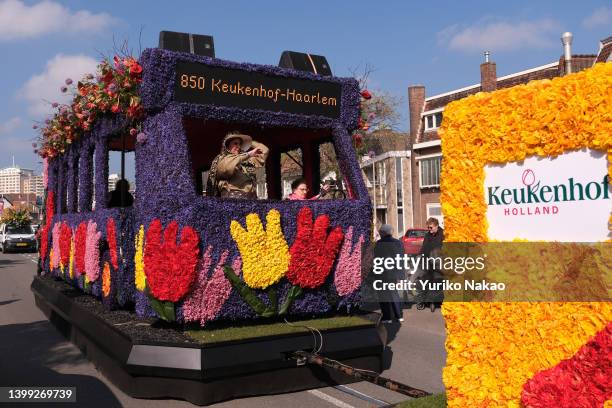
x=330 y=399
x=362 y=396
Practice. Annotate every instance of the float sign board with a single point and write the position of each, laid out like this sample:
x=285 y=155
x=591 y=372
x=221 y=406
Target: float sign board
x=566 y=198
x=203 y=84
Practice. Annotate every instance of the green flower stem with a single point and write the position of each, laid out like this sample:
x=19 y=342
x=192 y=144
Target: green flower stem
x=248 y=294
x=293 y=293
x=272 y=296
x=165 y=310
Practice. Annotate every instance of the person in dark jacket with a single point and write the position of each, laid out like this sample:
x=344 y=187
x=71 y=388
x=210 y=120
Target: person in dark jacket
x=433 y=238
x=389 y=247
x=121 y=196
x=431 y=248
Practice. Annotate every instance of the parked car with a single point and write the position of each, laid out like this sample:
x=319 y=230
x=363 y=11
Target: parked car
x=413 y=240
x=13 y=237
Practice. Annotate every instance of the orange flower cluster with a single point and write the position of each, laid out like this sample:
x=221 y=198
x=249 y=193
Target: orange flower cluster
x=494 y=348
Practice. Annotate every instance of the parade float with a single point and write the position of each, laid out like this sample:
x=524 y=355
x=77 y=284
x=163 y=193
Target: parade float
x=150 y=291
x=533 y=163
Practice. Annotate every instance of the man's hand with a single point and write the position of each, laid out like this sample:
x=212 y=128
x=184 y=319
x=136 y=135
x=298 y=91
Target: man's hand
x=255 y=152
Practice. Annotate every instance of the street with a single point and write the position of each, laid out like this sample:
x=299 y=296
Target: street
x=33 y=352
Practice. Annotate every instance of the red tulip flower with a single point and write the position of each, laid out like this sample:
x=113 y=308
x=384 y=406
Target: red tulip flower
x=80 y=239
x=170 y=268
x=65 y=237
x=111 y=237
x=365 y=94
x=314 y=250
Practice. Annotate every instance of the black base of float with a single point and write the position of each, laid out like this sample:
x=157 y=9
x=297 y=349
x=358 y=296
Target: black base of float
x=203 y=374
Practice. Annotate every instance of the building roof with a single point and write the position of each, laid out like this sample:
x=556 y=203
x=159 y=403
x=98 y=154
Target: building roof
x=547 y=71
x=605 y=50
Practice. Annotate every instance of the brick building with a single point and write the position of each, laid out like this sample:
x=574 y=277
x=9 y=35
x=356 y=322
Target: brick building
x=426 y=114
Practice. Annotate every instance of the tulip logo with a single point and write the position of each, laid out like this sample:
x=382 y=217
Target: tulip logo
x=528 y=178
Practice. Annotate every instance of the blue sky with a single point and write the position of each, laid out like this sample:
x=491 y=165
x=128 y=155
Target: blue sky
x=437 y=44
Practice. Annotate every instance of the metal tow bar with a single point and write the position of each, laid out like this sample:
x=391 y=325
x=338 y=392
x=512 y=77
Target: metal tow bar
x=304 y=357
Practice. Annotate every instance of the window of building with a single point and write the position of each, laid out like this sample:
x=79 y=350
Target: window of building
x=400 y=221
x=435 y=210
x=398 y=181
x=433 y=121
x=429 y=169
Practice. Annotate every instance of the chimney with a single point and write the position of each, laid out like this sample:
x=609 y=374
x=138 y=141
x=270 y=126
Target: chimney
x=416 y=103
x=488 y=74
x=566 y=40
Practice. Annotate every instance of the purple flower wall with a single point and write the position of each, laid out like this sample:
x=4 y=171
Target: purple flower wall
x=165 y=185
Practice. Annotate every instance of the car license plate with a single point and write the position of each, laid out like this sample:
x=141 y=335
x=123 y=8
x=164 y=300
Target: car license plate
x=22 y=244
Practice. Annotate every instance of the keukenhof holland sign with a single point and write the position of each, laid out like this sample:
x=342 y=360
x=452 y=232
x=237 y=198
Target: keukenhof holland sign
x=565 y=198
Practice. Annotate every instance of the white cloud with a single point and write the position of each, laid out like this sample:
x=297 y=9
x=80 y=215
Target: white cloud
x=601 y=16
x=10 y=125
x=500 y=36
x=43 y=89
x=18 y=20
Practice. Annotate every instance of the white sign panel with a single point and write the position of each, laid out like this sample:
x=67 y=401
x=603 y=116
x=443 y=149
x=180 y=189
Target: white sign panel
x=567 y=198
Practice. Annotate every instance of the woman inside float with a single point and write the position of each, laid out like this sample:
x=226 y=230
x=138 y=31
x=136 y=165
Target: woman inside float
x=232 y=173
x=299 y=190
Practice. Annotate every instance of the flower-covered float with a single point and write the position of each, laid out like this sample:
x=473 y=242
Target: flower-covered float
x=189 y=259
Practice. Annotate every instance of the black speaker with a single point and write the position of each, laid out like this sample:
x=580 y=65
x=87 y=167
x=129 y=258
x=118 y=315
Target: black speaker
x=305 y=62
x=185 y=42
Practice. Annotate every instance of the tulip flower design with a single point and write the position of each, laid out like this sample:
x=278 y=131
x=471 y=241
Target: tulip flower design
x=314 y=250
x=111 y=237
x=92 y=252
x=348 y=271
x=312 y=255
x=139 y=274
x=170 y=268
x=210 y=293
x=65 y=238
x=55 y=246
x=80 y=239
x=264 y=253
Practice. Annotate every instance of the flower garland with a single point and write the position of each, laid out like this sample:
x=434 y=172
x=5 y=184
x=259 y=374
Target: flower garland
x=170 y=268
x=489 y=359
x=140 y=279
x=80 y=240
x=347 y=278
x=581 y=381
x=92 y=252
x=265 y=253
x=314 y=250
x=111 y=237
x=114 y=90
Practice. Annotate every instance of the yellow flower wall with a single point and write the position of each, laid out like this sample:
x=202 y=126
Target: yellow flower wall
x=493 y=348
